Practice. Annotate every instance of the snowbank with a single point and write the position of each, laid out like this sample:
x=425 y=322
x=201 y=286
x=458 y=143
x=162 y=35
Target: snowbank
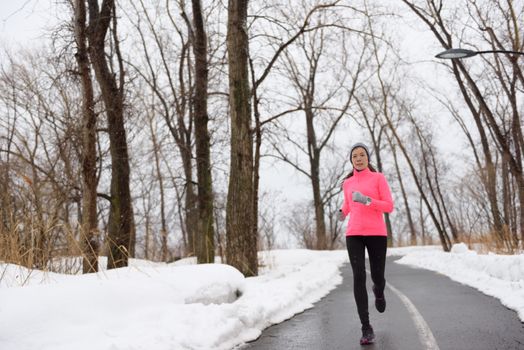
x=160 y=307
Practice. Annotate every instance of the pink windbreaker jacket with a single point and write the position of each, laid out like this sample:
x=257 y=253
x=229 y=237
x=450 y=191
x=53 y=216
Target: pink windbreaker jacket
x=367 y=220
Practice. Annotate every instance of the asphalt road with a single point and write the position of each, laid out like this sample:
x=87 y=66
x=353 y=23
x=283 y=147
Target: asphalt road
x=425 y=310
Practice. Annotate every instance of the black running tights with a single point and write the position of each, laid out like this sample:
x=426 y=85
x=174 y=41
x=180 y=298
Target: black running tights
x=376 y=246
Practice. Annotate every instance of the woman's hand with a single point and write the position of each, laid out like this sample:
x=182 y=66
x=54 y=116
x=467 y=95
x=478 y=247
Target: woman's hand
x=359 y=197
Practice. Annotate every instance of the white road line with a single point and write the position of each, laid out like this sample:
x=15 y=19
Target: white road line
x=424 y=333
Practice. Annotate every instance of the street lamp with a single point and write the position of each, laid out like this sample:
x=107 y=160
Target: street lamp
x=463 y=53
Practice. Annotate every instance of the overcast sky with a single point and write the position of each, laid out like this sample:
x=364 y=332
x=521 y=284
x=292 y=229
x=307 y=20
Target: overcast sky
x=25 y=21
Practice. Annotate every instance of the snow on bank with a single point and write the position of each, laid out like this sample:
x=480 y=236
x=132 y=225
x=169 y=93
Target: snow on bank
x=186 y=306
x=499 y=276
x=402 y=251
x=175 y=306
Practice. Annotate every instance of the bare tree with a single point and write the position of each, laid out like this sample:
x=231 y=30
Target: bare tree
x=206 y=244
x=43 y=152
x=324 y=108
x=241 y=242
x=168 y=71
x=281 y=34
x=89 y=172
x=504 y=127
x=121 y=224
x=293 y=33
x=409 y=215
x=431 y=170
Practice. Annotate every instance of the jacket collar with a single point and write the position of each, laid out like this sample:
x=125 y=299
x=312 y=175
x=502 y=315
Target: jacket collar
x=363 y=172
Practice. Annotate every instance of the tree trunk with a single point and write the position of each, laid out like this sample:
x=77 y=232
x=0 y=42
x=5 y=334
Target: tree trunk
x=510 y=230
x=412 y=231
x=258 y=145
x=314 y=163
x=206 y=235
x=191 y=211
x=89 y=231
x=241 y=251
x=422 y=222
x=120 y=225
x=163 y=223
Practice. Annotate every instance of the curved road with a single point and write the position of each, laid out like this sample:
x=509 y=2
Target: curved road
x=425 y=310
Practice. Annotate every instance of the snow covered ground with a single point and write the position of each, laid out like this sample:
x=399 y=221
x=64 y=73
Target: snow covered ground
x=185 y=306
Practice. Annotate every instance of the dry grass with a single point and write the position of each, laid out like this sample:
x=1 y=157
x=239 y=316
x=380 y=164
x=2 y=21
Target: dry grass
x=481 y=243
x=492 y=242
x=53 y=249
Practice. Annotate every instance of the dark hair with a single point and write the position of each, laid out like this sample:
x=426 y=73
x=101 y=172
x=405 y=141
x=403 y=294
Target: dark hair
x=371 y=167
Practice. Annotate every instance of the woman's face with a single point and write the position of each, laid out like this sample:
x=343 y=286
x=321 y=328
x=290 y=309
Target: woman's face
x=359 y=158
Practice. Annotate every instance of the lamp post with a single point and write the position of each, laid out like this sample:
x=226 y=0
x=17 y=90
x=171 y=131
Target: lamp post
x=463 y=53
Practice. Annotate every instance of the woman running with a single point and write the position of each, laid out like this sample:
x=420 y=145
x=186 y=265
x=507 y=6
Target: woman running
x=366 y=198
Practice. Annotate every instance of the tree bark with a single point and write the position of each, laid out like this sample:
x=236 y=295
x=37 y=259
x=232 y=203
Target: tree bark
x=258 y=145
x=120 y=225
x=314 y=164
x=241 y=251
x=205 y=233
x=89 y=230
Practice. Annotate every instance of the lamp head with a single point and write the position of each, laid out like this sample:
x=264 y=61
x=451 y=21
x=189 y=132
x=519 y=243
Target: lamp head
x=456 y=53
